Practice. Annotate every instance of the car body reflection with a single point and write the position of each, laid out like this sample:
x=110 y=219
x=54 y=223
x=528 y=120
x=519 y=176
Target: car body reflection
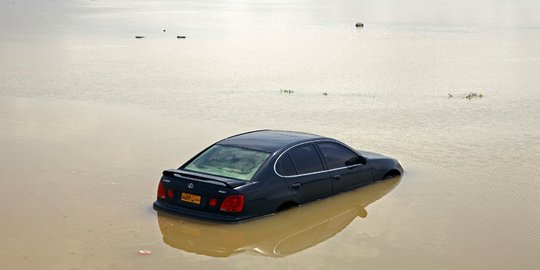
x=280 y=235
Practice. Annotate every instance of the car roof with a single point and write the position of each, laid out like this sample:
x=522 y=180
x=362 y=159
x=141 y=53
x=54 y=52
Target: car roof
x=268 y=140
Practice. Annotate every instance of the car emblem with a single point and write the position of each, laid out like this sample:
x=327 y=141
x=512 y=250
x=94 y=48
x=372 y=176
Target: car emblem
x=190 y=185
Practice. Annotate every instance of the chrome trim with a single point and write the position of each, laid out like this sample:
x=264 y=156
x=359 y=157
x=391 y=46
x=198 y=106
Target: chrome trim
x=312 y=173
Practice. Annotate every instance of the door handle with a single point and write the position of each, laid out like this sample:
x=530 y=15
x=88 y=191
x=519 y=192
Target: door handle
x=296 y=185
x=337 y=177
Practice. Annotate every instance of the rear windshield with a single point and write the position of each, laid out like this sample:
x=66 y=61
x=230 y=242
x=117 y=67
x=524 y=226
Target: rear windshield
x=228 y=161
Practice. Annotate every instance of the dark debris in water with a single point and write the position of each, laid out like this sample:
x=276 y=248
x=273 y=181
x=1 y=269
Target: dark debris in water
x=286 y=91
x=164 y=30
x=473 y=95
x=468 y=96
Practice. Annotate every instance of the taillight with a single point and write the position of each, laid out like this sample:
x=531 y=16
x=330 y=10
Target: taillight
x=212 y=202
x=170 y=193
x=233 y=203
x=161 y=191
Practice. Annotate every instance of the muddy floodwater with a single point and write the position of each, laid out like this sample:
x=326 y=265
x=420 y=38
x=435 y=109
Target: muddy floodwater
x=91 y=115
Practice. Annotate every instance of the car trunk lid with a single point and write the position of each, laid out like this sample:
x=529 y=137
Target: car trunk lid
x=197 y=191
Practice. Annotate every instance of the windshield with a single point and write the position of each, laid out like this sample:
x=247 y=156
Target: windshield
x=228 y=161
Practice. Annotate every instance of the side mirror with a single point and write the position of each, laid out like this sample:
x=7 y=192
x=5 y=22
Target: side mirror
x=355 y=161
x=362 y=160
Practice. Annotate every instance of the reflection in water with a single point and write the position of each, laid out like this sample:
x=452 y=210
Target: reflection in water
x=280 y=235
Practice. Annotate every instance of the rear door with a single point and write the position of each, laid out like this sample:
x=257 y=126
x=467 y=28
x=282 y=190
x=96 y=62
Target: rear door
x=311 y=181
x=345 y=167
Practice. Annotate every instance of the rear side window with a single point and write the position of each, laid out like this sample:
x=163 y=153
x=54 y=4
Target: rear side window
x=306 y=159
x=285 y=166
x=336 y=155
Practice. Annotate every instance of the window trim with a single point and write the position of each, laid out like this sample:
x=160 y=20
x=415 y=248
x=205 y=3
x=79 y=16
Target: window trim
x=319 y=154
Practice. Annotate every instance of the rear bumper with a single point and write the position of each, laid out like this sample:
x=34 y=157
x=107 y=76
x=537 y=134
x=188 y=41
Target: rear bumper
x=198 y=214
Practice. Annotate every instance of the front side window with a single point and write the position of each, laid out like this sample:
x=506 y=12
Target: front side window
x=336 y=155
x=306 y=159
x=228 y=161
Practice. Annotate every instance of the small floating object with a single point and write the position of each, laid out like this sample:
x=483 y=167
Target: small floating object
x=450 y=95
x=145 y=252
x=472 y=95
x=180 y=36
x=359 y=24
x=325 y=94
x=286 y=91
x=164 y=30
x=139 y=36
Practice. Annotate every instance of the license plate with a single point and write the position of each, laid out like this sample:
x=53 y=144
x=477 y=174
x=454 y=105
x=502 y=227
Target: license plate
x=186 y=197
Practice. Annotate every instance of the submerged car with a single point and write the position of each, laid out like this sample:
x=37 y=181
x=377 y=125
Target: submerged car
x=260 y=172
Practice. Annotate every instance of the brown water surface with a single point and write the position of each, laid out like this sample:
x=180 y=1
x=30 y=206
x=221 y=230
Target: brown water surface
x=79 y=178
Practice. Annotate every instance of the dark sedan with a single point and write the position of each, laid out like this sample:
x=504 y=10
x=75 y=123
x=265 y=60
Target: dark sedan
x=258 y=173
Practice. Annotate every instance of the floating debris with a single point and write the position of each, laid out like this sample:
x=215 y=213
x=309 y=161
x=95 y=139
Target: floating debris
x=325 y=94
x=359 y=25
x=472 y=95
x=287 y=91
x=180 y=36
x=139 y=36
x=164 y=30
x=469 y=96
x=145 y=252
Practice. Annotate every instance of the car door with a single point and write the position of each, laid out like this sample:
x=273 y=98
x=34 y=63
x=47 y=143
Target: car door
x=311 y=181
x=347 y=169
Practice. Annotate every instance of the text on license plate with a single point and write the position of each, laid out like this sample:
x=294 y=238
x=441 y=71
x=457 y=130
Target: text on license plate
x=186 y=197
